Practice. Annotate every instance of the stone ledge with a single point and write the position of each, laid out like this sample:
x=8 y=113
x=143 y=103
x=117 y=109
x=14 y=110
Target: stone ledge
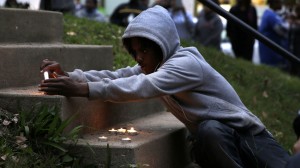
x=21 y=26
x=94 y=115
x=161 y=143
x=20 y=64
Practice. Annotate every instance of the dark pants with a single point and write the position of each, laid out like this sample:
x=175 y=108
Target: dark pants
x=218 y=145
x=294 y=161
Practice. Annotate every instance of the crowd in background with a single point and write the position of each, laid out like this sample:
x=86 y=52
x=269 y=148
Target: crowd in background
x=280 y=23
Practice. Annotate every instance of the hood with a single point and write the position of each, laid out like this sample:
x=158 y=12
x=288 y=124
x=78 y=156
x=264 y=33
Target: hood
x=155 y=24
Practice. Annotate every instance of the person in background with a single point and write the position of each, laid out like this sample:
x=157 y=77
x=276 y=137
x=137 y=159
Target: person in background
x=78 y=5
x=145 y=3
x=208 y=29
x=64 y=6
x=183 y=20
x=125 y=12
x=91 y=12
x=294 y=38
x=276 y=29
x=164 y=3
x=241 y=42
x=227 y=134
x=15 y=4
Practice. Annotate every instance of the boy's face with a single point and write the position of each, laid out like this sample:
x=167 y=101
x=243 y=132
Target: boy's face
x=146 y=58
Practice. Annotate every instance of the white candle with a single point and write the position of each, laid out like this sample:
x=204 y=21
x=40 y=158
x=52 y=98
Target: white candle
x=46 y=75
x=103 y=138
x=121 y=131
x=113 y=131
x=132 y=131
x=126 y=140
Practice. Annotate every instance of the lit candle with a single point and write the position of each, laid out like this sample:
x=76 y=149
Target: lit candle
x=121 y=131
x=126 y=140
x=132 y=131
x=103 y=138
x=46 y=75
x=113 y=131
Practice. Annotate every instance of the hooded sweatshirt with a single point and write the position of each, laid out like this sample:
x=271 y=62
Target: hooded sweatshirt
x=189 y=87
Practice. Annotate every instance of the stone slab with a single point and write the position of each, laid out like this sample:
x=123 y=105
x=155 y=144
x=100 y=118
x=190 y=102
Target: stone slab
x=28 y=26
x=94 y=115
x=161 y=143
x=19 y=64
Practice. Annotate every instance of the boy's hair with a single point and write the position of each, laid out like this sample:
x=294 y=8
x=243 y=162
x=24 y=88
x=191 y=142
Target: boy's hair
x=145 y=44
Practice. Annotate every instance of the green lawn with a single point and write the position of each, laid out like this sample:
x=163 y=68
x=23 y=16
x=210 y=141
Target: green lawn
x=269 y=93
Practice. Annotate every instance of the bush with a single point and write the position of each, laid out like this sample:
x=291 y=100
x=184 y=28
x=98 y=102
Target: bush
x=36 y=138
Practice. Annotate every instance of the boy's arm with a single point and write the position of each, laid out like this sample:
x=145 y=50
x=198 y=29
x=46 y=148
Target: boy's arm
x=173 y=77
x=93 y=75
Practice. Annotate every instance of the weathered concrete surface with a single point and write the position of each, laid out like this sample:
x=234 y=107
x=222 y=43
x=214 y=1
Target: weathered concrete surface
x=19 y=65
x=24 y=26
x=161 y=143
x=94 y=115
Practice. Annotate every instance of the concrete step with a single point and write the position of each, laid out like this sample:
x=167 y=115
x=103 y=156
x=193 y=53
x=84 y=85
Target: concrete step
x=94 y=115
x=160 y=143
x=25 y=26
x=20 y=64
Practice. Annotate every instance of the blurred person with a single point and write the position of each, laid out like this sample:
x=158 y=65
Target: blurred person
x=164 y=3
x=15 y=4
x=125 y=12
x=208 y=28
x=91 y=12
x=145 y=3
x=276 y=29
x=64 y=6
x=294 y=38
x=226 y=132
x=78 y=5
x=183 y=20
x=242 y=43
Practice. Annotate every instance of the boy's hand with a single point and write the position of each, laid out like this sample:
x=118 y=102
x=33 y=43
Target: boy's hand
x=64 y=86
x=53 y=68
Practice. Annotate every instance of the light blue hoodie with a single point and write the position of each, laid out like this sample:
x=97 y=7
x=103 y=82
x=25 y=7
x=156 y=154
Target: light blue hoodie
x=190 y=88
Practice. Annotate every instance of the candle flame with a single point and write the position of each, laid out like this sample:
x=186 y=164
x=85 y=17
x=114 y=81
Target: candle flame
x=46 y=75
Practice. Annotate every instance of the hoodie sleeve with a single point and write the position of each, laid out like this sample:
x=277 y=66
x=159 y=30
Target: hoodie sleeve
x=174 y=76
x=94 y=76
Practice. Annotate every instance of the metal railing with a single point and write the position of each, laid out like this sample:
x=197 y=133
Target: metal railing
x=216 y=8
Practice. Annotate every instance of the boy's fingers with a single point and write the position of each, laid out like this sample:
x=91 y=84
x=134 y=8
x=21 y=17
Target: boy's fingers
x=55 y=75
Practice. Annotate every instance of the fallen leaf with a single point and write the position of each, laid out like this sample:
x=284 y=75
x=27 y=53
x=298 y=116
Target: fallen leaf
x=265 y=94
x=6 y=123
x=4 y=157
x=20 y=139
x=15 y=120
x=264 y=114
x=71 y=33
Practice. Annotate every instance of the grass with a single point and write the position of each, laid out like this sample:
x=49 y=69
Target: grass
x=269 y=93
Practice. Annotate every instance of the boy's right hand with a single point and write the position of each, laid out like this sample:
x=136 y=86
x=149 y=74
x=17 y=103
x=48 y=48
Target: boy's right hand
x=53 y=68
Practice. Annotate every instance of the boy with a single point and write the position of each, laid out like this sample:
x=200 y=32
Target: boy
x=227 y=134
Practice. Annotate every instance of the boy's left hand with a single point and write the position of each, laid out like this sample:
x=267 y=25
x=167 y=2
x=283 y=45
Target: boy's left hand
x=64 y=86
